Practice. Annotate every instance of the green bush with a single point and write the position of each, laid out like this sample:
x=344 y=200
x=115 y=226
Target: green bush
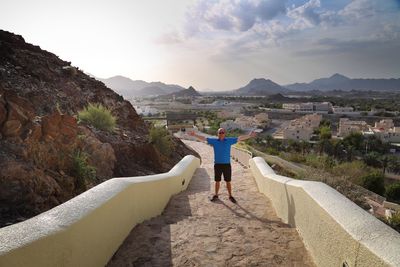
x=374 y=182
x=82 y=171
x=296 y=157
x=394 y=221
x=352 y=171
x=272 y=151
x=161 y=139
x=393 y=192
x=98 y=116
x=320 y=162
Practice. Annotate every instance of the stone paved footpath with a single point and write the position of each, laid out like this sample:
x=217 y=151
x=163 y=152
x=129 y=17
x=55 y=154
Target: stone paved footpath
x=193 y=231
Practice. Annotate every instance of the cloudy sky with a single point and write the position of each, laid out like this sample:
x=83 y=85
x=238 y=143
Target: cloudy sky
x=215 y=44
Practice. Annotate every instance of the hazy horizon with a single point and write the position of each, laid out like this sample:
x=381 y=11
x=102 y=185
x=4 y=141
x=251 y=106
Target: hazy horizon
x=217 y=45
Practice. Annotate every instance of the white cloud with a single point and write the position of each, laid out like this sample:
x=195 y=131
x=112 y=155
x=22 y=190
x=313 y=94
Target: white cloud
x=231 y=15
x=359 y=9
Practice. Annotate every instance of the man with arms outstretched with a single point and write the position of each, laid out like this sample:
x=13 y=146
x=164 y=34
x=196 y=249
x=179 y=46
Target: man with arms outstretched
x=222 y=158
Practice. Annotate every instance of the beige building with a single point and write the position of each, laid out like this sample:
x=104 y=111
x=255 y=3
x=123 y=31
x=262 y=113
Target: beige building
x=246 y=122
x=302 y=128
x=227 y=114
x=262 y=119
x=347 y=127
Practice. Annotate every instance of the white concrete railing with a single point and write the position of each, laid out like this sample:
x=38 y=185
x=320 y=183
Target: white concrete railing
x=335 y=230
x=88 y=229
x=241 y=155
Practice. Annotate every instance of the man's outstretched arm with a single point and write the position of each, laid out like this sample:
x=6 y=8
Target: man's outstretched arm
x=247 y=136
x=200 y=137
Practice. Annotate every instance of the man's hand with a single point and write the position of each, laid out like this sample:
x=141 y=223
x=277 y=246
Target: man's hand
x=245 y=137
x=192 y=133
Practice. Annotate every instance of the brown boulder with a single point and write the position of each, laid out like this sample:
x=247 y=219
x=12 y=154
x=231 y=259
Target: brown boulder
x=68 y=129
x=51 y=125
x=100 y=155
x=19 y=108
x=26 y=189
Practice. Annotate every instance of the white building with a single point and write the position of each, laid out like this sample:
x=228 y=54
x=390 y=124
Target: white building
x=245 y=122
x=386 y=131
x=146 y=110
x=324 y=107
x=342 y=110
x=220 y=103
x=391 y=135
x=302 y=128
x=229 y=125
x=347 y=127
x=384 y=124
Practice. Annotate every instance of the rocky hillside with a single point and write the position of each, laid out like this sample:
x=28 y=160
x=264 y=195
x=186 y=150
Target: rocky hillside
x=41 y=139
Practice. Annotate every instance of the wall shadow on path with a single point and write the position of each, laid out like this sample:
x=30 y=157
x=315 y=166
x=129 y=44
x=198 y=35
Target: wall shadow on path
x=149 y=243
x=244 y=213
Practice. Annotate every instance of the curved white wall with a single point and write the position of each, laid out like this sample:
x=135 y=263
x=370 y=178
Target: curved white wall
x=241 y=155
x=88 y=229
x=334 y=229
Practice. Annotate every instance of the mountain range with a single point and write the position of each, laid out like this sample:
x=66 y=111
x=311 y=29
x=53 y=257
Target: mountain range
x=341 y=82
x=256 y=87
x=131 y=88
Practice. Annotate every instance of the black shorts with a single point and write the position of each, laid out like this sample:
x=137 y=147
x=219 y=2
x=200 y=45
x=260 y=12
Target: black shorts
x=220 y=169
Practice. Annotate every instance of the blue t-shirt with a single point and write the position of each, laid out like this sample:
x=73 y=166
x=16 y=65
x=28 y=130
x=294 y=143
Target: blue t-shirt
x=222 y=149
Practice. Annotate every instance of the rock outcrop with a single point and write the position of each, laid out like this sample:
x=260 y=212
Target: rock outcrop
x=40 y=97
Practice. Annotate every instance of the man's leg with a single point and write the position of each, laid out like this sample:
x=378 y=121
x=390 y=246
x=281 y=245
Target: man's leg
x=217 y=184
x=227 y=178
x=217 y=178
x=229 y=187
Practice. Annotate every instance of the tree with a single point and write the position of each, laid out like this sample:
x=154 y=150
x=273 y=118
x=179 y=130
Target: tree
x=374 y=182
x=372 y=159
x=325 y=133
x=384 y=160
x=305 y=147
x=393 y=192
x=325 y=123
x=394 y=164
x=354 y=140
x=294 y=146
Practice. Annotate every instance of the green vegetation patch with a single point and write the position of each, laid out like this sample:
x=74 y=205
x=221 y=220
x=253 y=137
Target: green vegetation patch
x=374 y=182
x=99 y=117
x=82 y=171
x=393 y=193
x=162 y=140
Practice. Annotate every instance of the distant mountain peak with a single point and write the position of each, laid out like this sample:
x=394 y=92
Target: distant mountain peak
x=338 y=76
x=261 y=86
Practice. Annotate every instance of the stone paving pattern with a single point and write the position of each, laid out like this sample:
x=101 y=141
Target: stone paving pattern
x=193 y=231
